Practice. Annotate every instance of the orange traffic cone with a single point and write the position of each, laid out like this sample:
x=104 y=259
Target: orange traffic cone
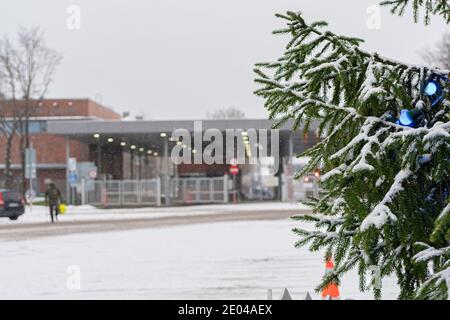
x=331 y=292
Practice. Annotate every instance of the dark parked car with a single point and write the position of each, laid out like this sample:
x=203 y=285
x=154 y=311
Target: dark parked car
x=12 y=204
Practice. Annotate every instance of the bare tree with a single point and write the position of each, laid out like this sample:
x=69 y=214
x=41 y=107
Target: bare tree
x=9 y=117
x=26 y=71
x=227 y=113
x=439 y=55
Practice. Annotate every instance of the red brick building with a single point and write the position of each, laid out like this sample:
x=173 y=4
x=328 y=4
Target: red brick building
x=51 y=149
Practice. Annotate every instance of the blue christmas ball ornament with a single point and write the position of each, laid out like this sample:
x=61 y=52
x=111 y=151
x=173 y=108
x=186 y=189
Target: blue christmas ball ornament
x=406 y=119
x=434 y=88
x=431 y=88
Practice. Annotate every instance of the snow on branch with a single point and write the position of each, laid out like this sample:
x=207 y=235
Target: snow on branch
x=360 y=163
x=371 y=86
x=430 y=253
x=382 y=213
x=430 y=7
x=444 y=213
x=318 y=237
x=320 y=218
x=334 y=172
x=432 y=288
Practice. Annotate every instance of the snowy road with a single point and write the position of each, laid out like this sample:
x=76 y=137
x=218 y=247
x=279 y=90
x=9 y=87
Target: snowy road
x=87 y=219
x=33 y=230
x=229 y=260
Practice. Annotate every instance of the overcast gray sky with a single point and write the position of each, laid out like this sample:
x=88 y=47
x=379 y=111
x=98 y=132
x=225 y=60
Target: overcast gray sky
x=173 y=59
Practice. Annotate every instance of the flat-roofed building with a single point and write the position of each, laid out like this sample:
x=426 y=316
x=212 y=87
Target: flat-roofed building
x=51 y=148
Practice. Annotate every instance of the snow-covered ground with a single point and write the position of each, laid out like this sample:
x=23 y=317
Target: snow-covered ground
x=37 y=214
x=232 y=260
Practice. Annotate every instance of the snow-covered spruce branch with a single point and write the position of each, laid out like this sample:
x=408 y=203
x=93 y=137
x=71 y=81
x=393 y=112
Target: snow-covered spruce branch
x=430 y=7
x=320 y=239
x=432 y=139
x=314 y=61
x=437 y=287
x=442 y=226
x=430 y=253
x=378 y=196
x=301 y=102
x=438 y=259
x=354 y=257
x=300 y=31
x=316 y=235
x=320 y=219
x=363 y=136
x=382 y=213
x=438 y=284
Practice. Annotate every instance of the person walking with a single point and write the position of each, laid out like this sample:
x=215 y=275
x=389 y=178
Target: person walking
x=53 y=199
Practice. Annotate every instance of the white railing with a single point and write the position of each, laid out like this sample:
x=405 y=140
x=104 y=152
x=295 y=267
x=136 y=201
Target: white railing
x=192 y=190
x=121 y=192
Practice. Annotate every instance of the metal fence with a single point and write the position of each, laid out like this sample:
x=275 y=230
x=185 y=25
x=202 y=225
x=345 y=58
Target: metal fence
x=109 y=193
x=199 y=190
x=191 y=190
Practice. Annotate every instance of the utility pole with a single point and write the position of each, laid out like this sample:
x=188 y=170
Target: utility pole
x=166 y=171
x=67 y=169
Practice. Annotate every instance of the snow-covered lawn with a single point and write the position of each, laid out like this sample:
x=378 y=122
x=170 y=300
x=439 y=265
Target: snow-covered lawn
x=232 y=260
x=38 y=214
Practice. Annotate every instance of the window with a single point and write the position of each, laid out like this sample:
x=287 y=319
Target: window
x=37 y=126
x=34 y=126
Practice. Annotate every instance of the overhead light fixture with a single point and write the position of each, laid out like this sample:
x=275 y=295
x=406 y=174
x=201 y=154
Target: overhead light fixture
x=194 y=151
x=149 y=151
x=123 y=143
x=96 y=135
x=155 y=154
x=110 y=140
x=132 y=147
x=141 y=149
x=163 y=134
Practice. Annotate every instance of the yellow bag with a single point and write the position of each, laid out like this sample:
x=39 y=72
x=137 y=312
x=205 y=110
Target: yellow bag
x=62 y=208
